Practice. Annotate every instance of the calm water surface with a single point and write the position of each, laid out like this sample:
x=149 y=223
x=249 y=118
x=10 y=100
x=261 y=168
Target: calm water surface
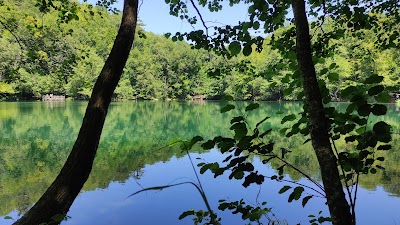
x=36 y=137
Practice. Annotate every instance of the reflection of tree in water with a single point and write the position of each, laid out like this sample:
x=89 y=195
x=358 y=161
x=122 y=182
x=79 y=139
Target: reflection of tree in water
x=35 y=141
x=136 y=173
x=303 y=158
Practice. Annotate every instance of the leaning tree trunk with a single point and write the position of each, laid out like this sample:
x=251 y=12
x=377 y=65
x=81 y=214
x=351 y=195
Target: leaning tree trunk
x=59 y=197
x=319 y=127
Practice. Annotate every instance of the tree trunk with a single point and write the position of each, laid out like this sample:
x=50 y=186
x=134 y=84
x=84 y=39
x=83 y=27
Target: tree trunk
x=319 y=126
x=59 y=197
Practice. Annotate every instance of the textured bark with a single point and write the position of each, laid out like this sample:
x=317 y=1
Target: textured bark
x=319 y=126
x=59 y=197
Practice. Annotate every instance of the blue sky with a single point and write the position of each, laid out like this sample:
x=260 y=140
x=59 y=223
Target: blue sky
x=155 y=16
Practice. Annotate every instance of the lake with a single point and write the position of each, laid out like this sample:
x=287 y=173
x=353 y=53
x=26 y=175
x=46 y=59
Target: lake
x=36 y=137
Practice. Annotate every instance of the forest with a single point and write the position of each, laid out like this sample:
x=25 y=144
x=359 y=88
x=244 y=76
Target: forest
x=39 y=55
x=316 y=51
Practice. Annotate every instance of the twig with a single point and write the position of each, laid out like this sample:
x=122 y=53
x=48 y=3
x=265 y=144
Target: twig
x=344 y=176
x=302 y=173
x=201 y=17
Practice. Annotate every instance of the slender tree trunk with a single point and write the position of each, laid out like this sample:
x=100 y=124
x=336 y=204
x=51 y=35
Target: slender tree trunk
x=319 y=126
x=59 y=197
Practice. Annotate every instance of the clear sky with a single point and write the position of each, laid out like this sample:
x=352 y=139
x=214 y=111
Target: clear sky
x=155 y=16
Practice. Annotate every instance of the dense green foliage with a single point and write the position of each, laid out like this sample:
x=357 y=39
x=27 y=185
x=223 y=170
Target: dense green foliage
x=39 y=55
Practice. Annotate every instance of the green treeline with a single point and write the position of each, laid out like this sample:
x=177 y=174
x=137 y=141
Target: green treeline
x=39 y=55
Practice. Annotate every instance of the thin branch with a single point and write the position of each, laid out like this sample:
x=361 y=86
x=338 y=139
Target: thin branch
x=355 y=198
x=303 y=185
x=140 y=5
x=290 y=165
x=201 y=189
x=193 y=167
x=344 y=175
x=201 y=17
x=299 y=171
x=302 y=173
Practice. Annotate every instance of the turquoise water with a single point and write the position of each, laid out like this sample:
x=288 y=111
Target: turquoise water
x=35 y=139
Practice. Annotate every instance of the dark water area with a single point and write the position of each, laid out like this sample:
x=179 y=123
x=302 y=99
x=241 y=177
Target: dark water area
x=36 y=137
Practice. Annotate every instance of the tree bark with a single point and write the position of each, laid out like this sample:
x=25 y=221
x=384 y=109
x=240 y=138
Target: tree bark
x=59 y=197
x=319 y=126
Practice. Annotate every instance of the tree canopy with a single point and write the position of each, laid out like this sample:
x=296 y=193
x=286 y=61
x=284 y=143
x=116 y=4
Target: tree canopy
x=40 y=56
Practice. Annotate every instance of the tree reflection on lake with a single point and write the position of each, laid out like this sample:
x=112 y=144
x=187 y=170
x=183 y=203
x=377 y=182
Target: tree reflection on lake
x=36 y=137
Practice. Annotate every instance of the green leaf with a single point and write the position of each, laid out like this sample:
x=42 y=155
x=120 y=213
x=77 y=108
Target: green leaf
x=374 y=79
x=205 y=167
x=240 y=130
x=253 y=178
x=208 y=145
x=227 y=108
x=167 y=35
x=347 y=92
x=379 y=110
x=333 y=76
x=247 y=50
x=296 y=194
x=235 y=47
x=262 y=121
x=385 y=147
x=375 y=90
x=252 y=106
x=256 y=25
x=324 y=71
x=351 y=107
x=384 y=137
x=284 y=189
x=193 y=142
x=238 y=175
x=8 y=218
x=187 y=213
x=246 y=167
x=360 y=130
x=288 y=118
x=305 y=200
x=382 y=97
x=237 y=119
x=381 y=127
x=364 y=110
x=351 y=138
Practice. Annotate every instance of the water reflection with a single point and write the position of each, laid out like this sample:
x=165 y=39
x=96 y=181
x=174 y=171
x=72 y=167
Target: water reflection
x=35 y=139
